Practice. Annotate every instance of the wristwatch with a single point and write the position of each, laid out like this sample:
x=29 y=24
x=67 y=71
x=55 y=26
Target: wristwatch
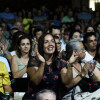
x=80 y=75
x=91 y=75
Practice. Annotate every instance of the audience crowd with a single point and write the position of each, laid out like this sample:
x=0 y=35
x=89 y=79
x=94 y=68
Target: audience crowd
x=49 y=54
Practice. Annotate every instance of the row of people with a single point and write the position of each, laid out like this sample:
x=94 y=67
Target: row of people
x=46 y=69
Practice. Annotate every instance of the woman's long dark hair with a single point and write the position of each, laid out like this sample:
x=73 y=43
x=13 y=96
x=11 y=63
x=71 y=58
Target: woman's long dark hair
x=15 y=40
x=19 y=54
x=40 y=50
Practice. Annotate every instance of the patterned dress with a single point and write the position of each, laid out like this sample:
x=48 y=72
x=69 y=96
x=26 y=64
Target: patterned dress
x=51 y=80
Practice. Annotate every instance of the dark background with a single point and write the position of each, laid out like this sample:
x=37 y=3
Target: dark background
x=29 y=4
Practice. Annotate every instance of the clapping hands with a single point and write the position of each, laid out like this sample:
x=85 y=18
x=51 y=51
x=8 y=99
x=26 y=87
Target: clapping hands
x=73 y=58
x=40 y=57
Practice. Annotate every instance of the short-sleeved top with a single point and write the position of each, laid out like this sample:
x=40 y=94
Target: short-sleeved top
x=51 y=78
x=4 y=76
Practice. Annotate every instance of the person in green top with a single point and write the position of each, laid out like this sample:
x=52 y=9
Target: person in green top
x=68 y=18
x=27 y=21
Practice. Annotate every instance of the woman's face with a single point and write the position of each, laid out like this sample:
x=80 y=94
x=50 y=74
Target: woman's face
x=76 y=35
x=25 y=45
x=90 y=29
x=49 y=44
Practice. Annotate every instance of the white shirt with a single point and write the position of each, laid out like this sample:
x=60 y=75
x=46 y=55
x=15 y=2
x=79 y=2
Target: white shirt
x=87 y=58
x=13 y=53
x=63 y=45
x=4 y=60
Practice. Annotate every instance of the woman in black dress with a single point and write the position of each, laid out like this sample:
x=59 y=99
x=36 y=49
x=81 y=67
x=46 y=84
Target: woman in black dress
x=44 y=70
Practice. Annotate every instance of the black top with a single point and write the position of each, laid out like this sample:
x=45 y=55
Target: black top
x=51 y=79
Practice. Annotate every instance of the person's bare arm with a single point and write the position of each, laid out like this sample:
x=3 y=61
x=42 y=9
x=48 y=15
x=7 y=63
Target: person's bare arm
x=14 y=67
x=67 y=73
x=67 y=78
x=7 y=88
x=36 y=73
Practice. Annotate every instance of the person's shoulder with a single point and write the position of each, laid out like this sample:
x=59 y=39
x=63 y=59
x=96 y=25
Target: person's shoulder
x=2 y=65
x=3 y=58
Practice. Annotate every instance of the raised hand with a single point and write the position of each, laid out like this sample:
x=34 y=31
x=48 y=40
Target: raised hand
x=73 y=58
x=91 y=67
x=85 y=69
x=5 y=46
x=40 y=57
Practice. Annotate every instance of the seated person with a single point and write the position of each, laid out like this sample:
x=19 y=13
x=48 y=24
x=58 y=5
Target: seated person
x=46 y=94
x=76 y=71
x=4 y=79
x=19 y=66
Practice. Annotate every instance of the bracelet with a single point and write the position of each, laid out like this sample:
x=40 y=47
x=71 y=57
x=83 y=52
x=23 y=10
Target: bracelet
x=91 y=75
x=69 y=65
x=80 y=75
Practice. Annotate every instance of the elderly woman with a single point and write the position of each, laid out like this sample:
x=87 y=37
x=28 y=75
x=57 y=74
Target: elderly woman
x=77 y=71
x=44 y=70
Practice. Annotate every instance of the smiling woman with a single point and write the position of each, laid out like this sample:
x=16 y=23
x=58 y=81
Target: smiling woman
x=44 y=69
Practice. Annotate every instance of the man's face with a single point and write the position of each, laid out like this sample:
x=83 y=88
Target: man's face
x=56 y=32
x=66 y=36
x=48 y=96
x=91 y=43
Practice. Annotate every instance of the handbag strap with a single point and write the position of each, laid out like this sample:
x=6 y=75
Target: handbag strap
x=73 y=93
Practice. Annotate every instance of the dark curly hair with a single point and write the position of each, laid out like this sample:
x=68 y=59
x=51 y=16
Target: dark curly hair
x=40 y=49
